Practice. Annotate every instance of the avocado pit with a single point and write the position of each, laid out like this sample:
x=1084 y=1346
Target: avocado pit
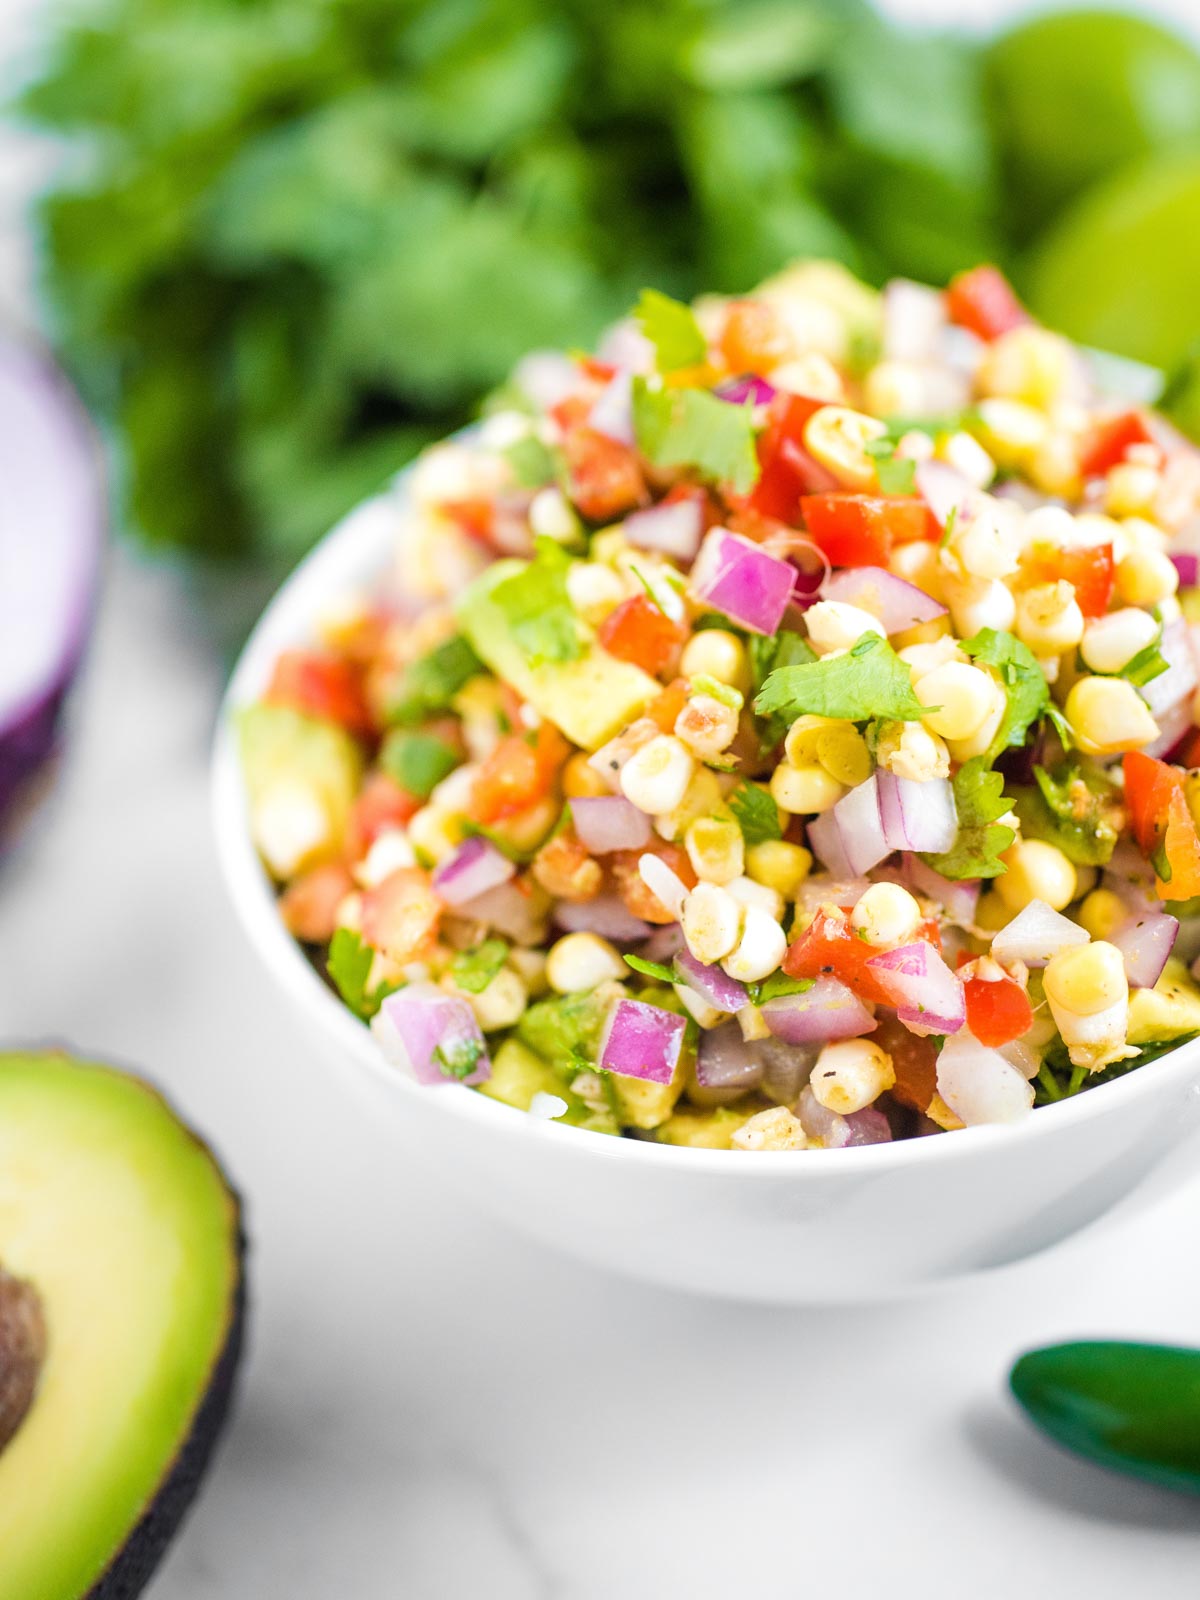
x=22 y=1352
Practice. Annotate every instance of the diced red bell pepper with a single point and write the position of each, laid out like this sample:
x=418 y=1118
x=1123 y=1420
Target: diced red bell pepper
x=320 y=685
x=309 y=904
x=665 y=708
x=857 y=530
x=516 y=774
x=1111 y=440
x=997 y=1012
x=787 y=471
x=830 y=945
x=604 y=477
x=639 y=632
x=1090 y=570
x=380 y=803
x=1162 y=824
x=400 y=915
x=983 y=301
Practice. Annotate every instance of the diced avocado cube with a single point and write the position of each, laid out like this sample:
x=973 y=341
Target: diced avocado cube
x=642 y=1104
x=703 y=1130
x=1169 y=1010
x=302 y=775
x=590 y=699
x=518 y=1074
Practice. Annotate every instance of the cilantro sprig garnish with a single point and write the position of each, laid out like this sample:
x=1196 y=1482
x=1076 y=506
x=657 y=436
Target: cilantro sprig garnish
x=868 y=681
x=775 y=987
x=1024 y=684
x=692 y=428
x=473 y=970
x=672 y=329
x=349 y=965
x=755 y=813
x=980 y=802
x=536 y=608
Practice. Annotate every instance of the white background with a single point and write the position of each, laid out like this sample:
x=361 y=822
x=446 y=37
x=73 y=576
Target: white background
x=436 y=1409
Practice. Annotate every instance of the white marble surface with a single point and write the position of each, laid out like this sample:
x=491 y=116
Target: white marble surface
x=434 y=1408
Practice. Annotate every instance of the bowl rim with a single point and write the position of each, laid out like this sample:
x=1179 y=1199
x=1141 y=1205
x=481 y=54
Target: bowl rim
x=362 y=542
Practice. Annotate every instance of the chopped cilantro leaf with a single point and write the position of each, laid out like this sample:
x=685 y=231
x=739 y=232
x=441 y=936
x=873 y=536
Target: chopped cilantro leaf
x=430 y=683
x=756 y=813
x=1076 y=807
x=457 y=1058
x=868 y=681
x=672 y=329
x=692 y=428
x=775 y=987
x=896 y=474
x=948 y=530
x=417 y=761
x=473 y=970
x=980 y=800
x=532 y=463
x=652 y=969
x=349 y=965
x=1024 y=682
x=535 y=606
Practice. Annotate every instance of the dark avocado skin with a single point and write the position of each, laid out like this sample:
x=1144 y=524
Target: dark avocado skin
x=143 y=1551
x=1134 y=1408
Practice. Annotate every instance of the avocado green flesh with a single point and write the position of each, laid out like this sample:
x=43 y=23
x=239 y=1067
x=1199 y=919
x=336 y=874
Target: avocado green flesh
x=590 y=699
x=121 y=1221
x=1168 y=1011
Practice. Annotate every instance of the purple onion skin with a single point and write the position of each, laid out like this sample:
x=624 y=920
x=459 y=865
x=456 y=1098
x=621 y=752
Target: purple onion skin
x=868 y=1127
x=28 y=754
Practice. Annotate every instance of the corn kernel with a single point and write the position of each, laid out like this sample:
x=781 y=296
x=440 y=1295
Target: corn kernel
x=923 y=658
x=1056 y=466
x=594 y=590
x=716 y=654
x=774 y=1129
x=779 y=865
x=1027 y=363
x=1085 y=979
x=1102 y=913
x=985 y=545
x=910 y=750
x=834 y=625
x=716 y=849
x=1146 y=577
x=966 y=455
x=804 y=790
x=580 y=961
x=1035 y=870
x=837 y=437
x=656 y=777
x=502 y=1003
x=991 y=913
x=1108 y=715
x=917 y=563
x=964 y=696
x=761 y=947
x=434 y=834
x=850 y=1075
x=701 y=798
x=885 y=916
x=1012 y=432
x=1048 y=618
x=1111 y=642
x=706 y=726
x=978 y=603
x=711 y=921
x=810 y=374
x=1131 y=489
x=800 y=745
x=843 y=752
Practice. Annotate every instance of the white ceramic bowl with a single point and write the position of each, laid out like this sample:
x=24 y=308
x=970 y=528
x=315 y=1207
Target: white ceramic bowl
x=833 y=1225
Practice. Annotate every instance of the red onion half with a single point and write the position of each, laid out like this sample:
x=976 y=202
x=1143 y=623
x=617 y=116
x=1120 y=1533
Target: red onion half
x=897 y=604
x=829 y=1010
x=1146 y=944
x=928 y=997
x=743 y=581
x=642 y=1041
x=474 y=868
x=605 y=823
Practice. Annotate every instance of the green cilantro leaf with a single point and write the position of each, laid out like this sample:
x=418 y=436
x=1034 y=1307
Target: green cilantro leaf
x=896 y=474
x=349 y=965
x=766 y=653
x=1023 y=679
x=775 y=987
x=1076 y=807
x=457 y=1058
x=473 y=970
x=536 y=608
x=692 y=428
x=868 y=681
x=533 y=464
x=980 y=800
x=652 y=969
x=756 y=813
x=417 y=761
x=429 y=684
x=672 y=329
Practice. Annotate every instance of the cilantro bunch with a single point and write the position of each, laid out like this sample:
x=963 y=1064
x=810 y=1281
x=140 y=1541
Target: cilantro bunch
x=297 y=239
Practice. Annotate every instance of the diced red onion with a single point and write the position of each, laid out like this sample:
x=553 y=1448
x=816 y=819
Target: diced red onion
x=1021 y=1054
x=1146 y=942
x=418 y=1020
x=860 y=825
x=1163 y=693
x=928 y=997
x=1174 y=725
x=546 y=377
x=943 y=489
x=674 y=527
x=825 y=838
x=666 y=886
x=725 y=1061
x=714 y=987
x=820 y=1123
x=829 y=1010
x=916 y=816
x=612 y=414
x=897 y=604
x=738 y=390
x=787 y=1068
x=609 y=822
x=606 y=915
x=475 y=867
x=1035 y=935
x=742 y=580
x=642 y=1041
x=979 y=1085
x=868 y=1126
x=1130 y=876
x=958 y=900
x=664 y=944
x=913 y=319
x=1187 y=565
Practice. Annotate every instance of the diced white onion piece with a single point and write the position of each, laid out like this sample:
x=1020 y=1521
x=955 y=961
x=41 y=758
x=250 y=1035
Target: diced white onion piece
x=1035 y=935
x=979 y=1085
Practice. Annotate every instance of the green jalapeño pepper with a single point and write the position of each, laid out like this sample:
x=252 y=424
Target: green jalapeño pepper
x=1132 y=1407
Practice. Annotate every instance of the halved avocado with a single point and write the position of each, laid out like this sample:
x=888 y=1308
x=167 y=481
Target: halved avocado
x=121 y=1315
